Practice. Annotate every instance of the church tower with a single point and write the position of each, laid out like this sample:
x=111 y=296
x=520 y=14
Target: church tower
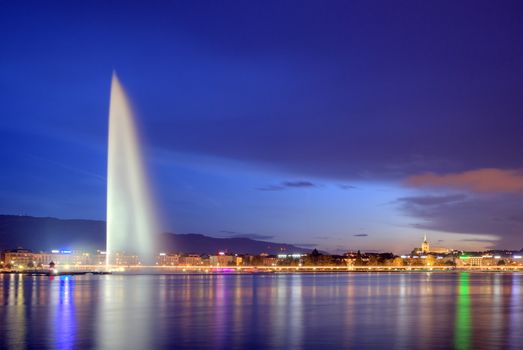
x=425 y=247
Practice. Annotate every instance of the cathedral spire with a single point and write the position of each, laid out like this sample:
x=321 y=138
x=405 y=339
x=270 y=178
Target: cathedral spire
x=425 y=247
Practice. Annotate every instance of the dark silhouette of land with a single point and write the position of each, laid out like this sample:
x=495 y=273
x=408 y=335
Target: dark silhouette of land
x=39 y=233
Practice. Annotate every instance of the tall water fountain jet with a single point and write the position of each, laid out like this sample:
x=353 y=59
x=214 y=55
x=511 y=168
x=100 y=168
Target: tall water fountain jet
x=131 y=223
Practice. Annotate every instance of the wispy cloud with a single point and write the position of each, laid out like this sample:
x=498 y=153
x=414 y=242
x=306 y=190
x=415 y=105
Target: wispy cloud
x=481 y=180
x=479 y=240
x=361 y=235
x=287 y=185
x=433 y=200
x=494 y=215
x=298 y=184
x=271 y=188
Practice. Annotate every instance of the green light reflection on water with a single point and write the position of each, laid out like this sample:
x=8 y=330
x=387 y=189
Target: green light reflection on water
x=462 y=324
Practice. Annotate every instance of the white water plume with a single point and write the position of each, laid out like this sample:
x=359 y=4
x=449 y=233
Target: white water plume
x=131 y=223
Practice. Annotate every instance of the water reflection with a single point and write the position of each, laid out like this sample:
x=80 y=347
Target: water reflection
x=514 y=337
x=63 y=322
x=402 y=327
x=462 y=324
x=396 y=311
x=126 y=312
x=16 y=313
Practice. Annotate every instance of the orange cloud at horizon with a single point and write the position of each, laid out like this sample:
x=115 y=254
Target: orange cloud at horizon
x=480 y=180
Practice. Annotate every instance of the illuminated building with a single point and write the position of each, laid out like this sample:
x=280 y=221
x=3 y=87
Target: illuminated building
x=221 y=259
x=99 y=258
x=238 y=260
x=427 y=249
x=18 y=257
x=190 y=260
x=127 y=260
x=28 y=258
x=269 y=260
x=66 y=257
x=425 y=246
x=164 y=259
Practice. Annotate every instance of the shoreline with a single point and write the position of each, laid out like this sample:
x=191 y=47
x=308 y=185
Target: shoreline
x=155 y=270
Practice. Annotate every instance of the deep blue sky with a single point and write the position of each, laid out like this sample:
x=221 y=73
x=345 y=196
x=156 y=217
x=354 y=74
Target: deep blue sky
x=314 y=123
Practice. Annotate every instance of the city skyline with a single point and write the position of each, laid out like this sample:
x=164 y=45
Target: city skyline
x=328 y=132
x=195 y=174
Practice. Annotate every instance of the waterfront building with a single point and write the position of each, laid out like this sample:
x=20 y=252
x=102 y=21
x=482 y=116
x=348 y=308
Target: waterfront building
x=295 y=259
x=164 y=259
x=65 y=257
x=43 y=258
x=18 y=258
x=473 y=261
x=190 y=260
x=490 y=258
x=351 y=257
x=99 y=258
x=238 y=260
x=222 y=259
x=270 y=260
x=126 y=260
x=23 y=258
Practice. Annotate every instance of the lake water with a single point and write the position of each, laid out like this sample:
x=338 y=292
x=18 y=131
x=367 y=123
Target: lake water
x=273 y=311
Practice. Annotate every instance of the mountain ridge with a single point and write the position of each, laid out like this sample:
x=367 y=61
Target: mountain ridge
x=47 y=233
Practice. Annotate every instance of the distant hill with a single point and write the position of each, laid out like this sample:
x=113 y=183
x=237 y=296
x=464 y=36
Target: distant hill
x=39 y=233
x=198 y=243
x=49 y=233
